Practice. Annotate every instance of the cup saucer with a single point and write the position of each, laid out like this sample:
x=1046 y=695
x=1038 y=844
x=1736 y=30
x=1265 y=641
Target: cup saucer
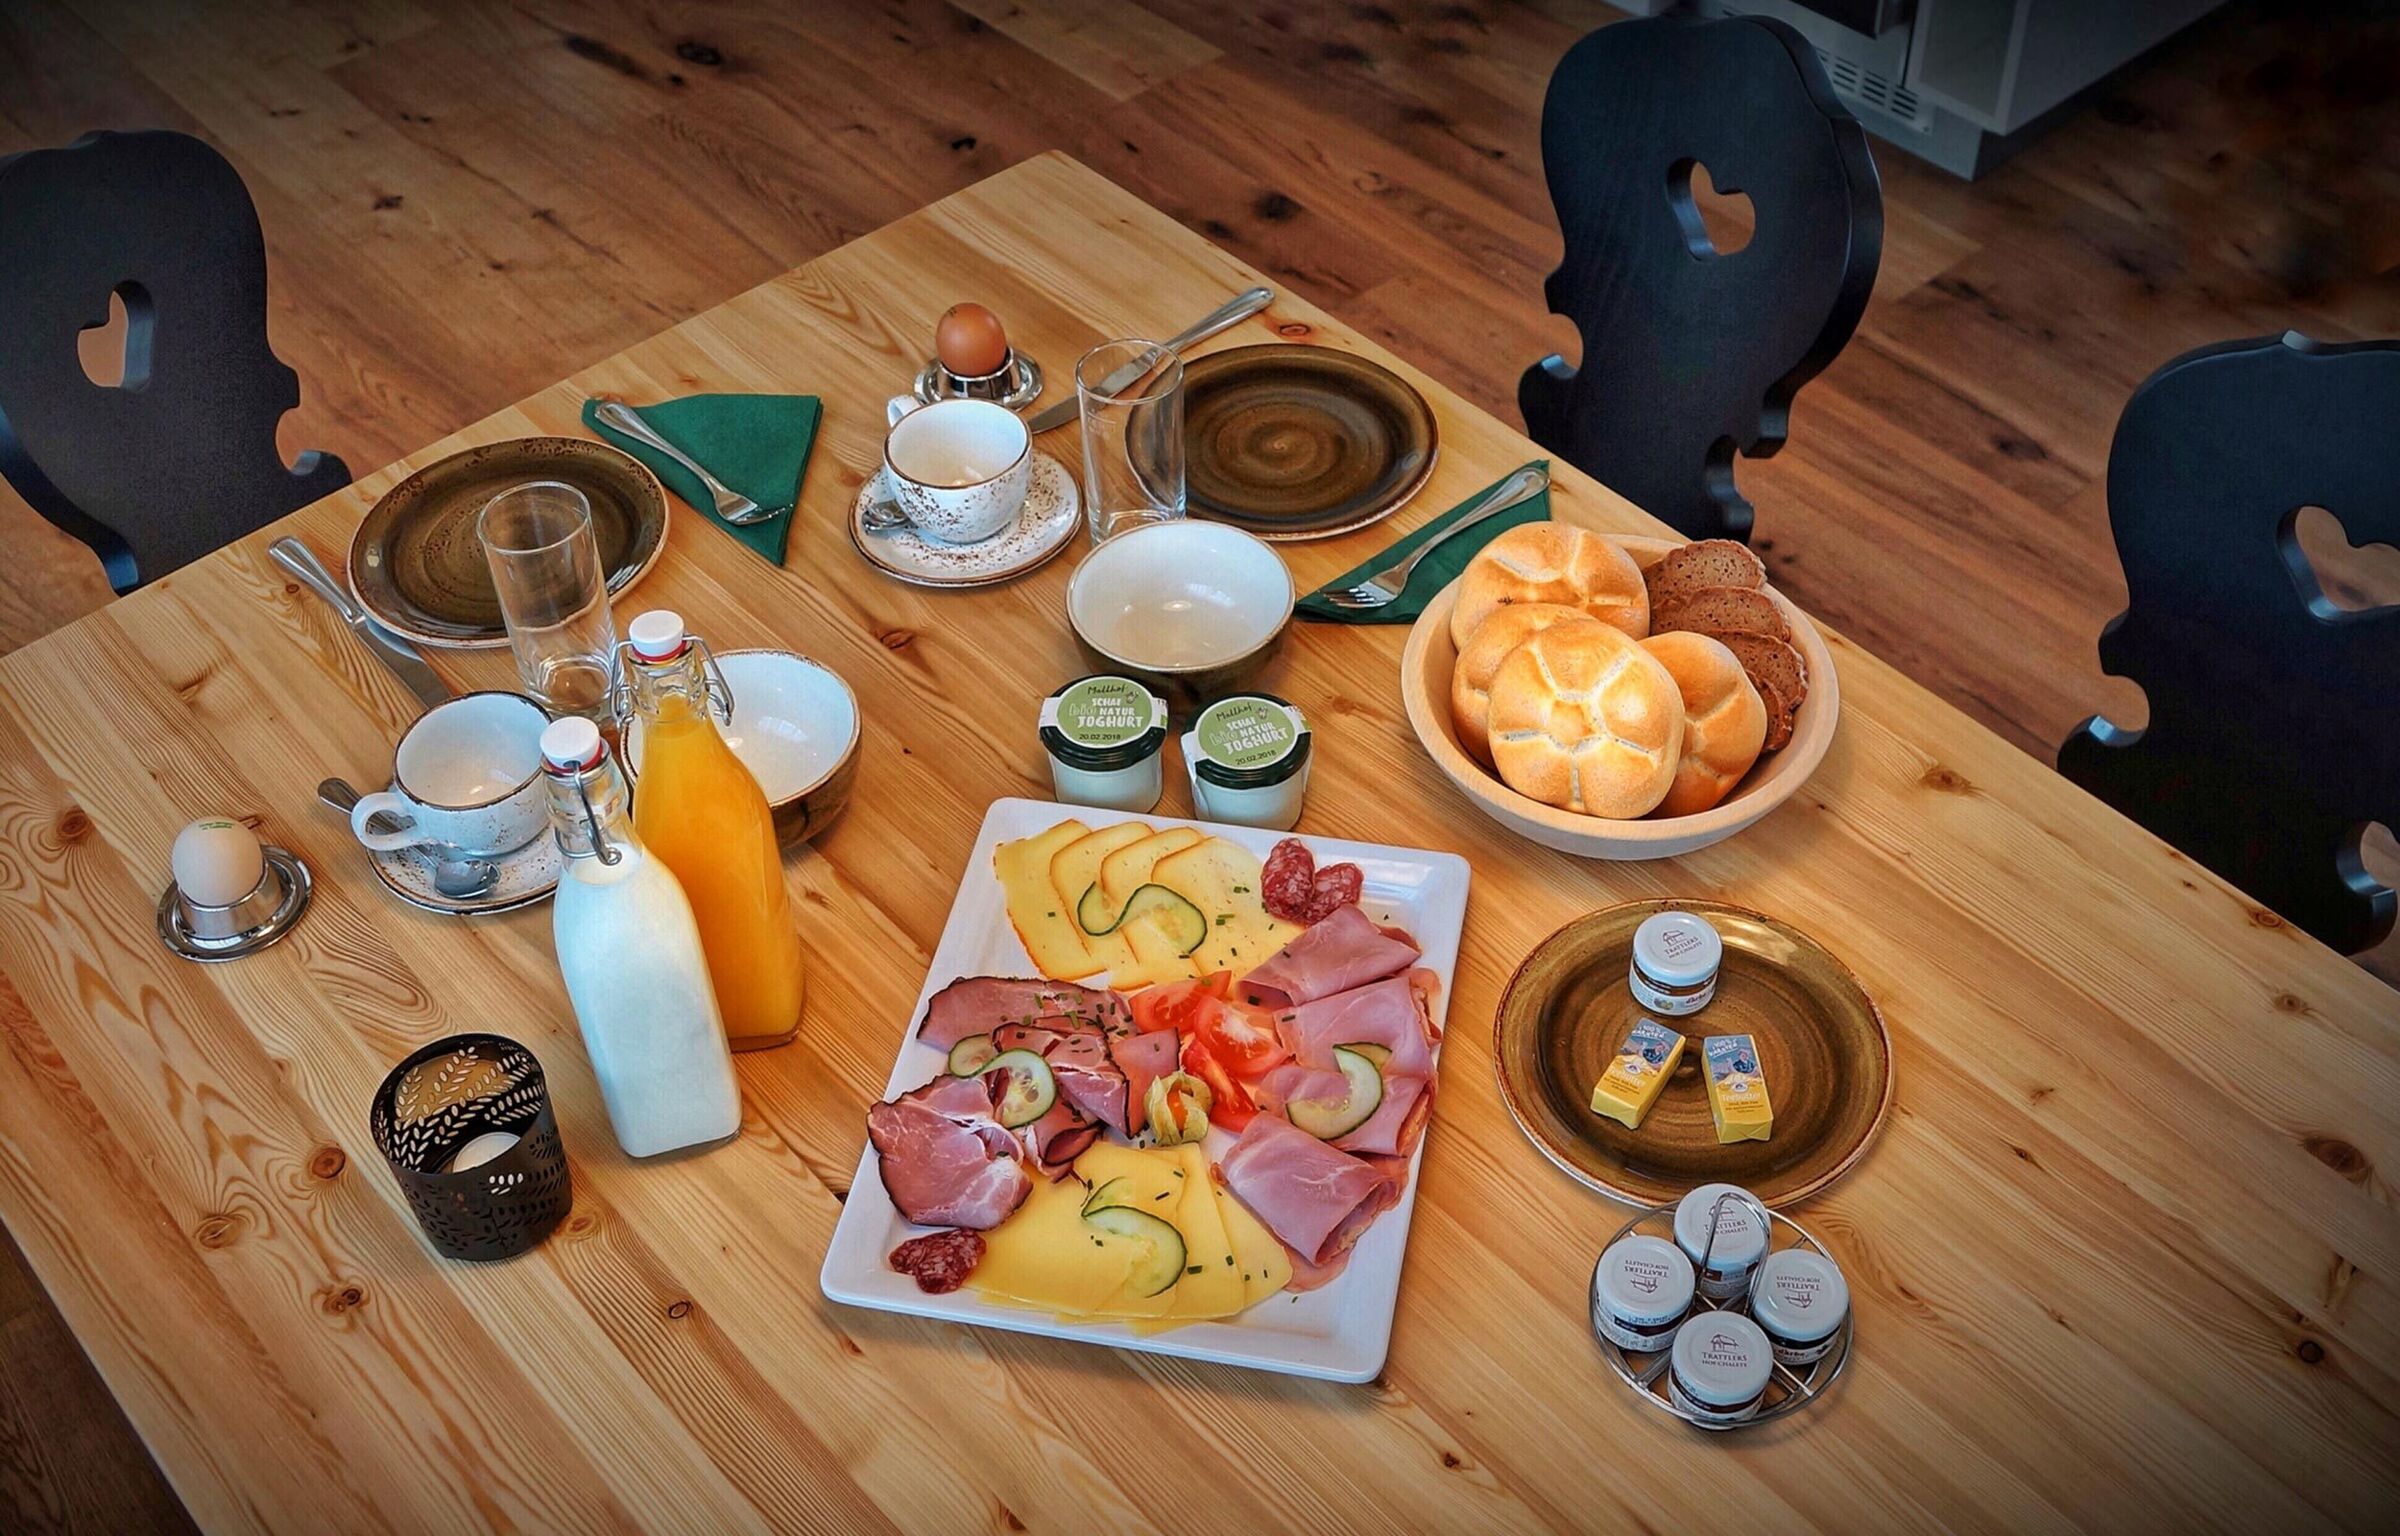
x=525 y=877
x=1044 y=526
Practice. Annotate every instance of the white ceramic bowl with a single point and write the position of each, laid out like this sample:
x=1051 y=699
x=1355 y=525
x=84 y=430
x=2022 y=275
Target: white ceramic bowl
x=1191 y=608
x=795 y=727
x=1425 y=665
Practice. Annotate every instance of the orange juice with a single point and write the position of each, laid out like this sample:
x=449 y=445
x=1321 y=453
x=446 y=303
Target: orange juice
x=700 y=811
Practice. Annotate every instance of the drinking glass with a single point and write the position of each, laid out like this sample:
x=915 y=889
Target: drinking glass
x=546 y=565
x=1131 y=392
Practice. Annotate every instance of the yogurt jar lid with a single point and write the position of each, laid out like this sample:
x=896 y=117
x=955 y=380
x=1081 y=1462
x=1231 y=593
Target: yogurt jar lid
x=1102 y=723
x=1741 y=1236
x=1677 y=949
x=1644 y=1280
x=1249 y=741
x=1799 y=1295
x=1722 y=1359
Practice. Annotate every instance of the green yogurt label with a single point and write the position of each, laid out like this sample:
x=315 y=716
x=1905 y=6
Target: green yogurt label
x=1244 y=733
x=1101 y=712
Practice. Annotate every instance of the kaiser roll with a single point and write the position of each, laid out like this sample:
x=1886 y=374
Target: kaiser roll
x=1725 y=720
x=1584 y=719
x=1552 y=563
x=1494 y=638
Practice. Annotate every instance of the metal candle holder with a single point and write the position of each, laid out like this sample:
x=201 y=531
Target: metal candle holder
x=420 y=1120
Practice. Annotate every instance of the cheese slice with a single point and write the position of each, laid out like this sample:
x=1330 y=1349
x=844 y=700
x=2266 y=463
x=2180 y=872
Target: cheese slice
x=1076 y=867
x=1637 y=1072
x=1224 y=881
x=1045 y=925
x=1737 y=1088
x=1263 y=1263
x=1155 y=957
x=1128 y=868
x=1212 y=1277
x=1045 y=1256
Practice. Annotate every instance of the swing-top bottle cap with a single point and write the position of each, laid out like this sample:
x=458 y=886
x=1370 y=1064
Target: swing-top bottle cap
x=657 y=635
x=571 y=744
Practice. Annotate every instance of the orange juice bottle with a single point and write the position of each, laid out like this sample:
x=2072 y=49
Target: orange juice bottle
x=699 y=810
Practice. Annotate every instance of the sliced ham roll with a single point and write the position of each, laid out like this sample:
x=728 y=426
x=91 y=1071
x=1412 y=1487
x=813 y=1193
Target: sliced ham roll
x=1395 y=1013
x=1144 y=1059
x=1393 y=1130
x=945 y=1161
x=1290 y=1080
x=1080 y=1059
x=1345 y=950
x=1314 y=1198
x=978 y=1005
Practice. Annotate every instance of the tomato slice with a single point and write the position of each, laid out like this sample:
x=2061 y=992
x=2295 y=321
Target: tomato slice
x=1231 y=1105
x=1179 y=1005
x=1243 y=1038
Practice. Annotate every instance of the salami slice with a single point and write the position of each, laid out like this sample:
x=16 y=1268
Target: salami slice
x=1336 y=886
x=940 y=1261
x=1287 y=885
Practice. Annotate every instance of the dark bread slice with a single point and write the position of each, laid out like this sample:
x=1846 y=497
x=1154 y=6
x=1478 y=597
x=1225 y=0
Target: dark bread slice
x=1781 y=713
x=1780 y=677
x=1709 y=563
x=1722 y=610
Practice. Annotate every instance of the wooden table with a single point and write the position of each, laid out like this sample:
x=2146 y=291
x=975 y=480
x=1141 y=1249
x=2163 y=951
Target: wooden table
x=2124 y=1257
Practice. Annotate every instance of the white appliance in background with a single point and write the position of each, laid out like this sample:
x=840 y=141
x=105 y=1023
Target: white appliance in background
x=1963 y=83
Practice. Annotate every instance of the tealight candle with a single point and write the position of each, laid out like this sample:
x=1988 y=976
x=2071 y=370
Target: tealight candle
x=481 y=1150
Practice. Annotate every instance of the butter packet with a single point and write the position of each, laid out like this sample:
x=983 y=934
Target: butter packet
x=1737 y=1088
x=1637 y=1072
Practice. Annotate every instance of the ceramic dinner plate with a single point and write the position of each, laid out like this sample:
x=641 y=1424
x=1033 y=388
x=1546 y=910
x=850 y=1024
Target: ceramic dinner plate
x=1340 y=1332
x=1298 y=442
x=1821 y=1042
x=1047 y=523
x=417 y=564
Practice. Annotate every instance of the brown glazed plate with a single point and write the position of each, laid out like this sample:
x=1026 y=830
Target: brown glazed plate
x=1301 y=442
x=417 y=564
x=1821 y=1042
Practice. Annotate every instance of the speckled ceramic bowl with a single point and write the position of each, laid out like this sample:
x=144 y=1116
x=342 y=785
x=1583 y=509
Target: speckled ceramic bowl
x=1192 y=609
x=795 y=727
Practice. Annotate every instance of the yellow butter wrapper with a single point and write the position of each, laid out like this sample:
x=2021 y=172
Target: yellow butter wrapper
x=1737 y=1088
x=1637 y=1072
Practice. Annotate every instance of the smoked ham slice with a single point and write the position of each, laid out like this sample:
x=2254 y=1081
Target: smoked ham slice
x=944 y=1159
x=1088 y=1076
x=978 y=1005
x=1143 y=1058
x=1395 y=1013
x=1344 y=951
x=1316 y=1199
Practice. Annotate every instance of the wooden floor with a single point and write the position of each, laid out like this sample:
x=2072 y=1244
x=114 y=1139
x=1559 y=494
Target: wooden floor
x=465 y=200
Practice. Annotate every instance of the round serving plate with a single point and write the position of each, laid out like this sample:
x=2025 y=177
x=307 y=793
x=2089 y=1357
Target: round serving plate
x=1821 y=1043
x=416 y=562
x=1300 y=442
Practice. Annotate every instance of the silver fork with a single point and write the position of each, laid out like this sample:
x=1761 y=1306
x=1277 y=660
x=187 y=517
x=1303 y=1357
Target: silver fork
x=732 y=505
x=1386 y=585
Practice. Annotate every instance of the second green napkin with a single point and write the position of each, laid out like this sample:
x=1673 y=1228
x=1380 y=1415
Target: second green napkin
x=1439 y=570
x=758 y=444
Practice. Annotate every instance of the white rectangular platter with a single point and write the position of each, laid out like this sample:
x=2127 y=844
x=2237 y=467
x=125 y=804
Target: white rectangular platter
x=1340 y=1332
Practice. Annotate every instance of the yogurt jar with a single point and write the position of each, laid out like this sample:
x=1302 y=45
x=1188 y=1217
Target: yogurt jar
x=1248 y=759
x=1717 y=1370
x=1104 y=735
x=1640 y=1292
x=1675 y=960
x=1799 y=1300
x=1741 y=1239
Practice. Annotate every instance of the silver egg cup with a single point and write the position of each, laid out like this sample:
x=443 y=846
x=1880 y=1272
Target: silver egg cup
x=209 y=934
x=1016 y=384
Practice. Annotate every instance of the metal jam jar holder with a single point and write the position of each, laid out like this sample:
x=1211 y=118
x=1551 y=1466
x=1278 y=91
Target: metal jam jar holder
x=1016 y=384
x=1789 y=1388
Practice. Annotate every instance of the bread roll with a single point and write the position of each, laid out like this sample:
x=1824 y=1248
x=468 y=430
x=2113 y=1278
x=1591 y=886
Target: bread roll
x=1494 y=638
x=1725 y=720
x=1552 y=563
x=1584 y=719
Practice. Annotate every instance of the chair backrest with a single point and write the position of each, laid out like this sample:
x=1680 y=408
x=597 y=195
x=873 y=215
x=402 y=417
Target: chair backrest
x=180 y=457
x=1689 y=355
x=2274 y=734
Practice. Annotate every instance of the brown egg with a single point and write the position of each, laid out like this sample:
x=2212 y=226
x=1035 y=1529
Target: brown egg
x=969 y=341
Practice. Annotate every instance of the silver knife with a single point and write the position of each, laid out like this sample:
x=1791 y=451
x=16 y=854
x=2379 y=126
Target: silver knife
x=403 y=658
x=1224 y=317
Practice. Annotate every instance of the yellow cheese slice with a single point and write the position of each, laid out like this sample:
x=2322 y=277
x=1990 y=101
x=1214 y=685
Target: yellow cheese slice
x=1044 y=924
x=1076 y=867
x=1223 y=880
x=1155 y=1184
x=1155 y=957
x=1124 y=871
x=1212 y=1276
x=1045 y=1256
x=1258 y=1258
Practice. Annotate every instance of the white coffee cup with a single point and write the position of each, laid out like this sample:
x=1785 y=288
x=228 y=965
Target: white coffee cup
x=957 y=468
x=466 y=780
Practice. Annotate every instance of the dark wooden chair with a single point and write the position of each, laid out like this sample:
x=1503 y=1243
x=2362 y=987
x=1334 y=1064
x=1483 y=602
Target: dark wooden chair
x=179 y=457
x=2274 y=734
x=1688 y=354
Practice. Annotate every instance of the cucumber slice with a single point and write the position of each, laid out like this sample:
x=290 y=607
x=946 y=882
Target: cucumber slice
x=1327 y=1118
x=1183 y=924
x=1031 y=1089
x=1378 y=1054
x=1094 y=915
x=1156 y=1270
x=972 y=1055
x=1113 y=1193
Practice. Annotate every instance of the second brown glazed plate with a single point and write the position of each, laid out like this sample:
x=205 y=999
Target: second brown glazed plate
x=1300 y=442
x=417 y=564
x=1821 y=1042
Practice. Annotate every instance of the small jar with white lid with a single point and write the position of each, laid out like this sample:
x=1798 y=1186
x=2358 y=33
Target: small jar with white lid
x=1248 y=757
x=1799 y=1300
x=1675 y=960
x=1640 y=1292
x=1718 y=1369
x=1741 y=1238
x=1104 y=736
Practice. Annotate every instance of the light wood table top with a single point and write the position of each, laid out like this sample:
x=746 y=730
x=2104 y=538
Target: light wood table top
x=2122 y=1259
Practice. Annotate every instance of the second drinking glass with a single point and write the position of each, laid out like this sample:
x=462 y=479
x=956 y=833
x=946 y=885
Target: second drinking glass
x=1131 y=393
x=546 y=567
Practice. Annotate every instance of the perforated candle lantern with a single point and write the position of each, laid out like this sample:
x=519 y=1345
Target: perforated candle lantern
x=464 y=1094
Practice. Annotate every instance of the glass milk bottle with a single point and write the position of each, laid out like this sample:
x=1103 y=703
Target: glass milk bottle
x=706 y=818
x=632 y=958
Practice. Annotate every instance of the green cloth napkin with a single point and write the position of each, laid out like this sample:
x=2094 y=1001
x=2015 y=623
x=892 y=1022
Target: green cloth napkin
x=1439 y=570
x=758 y=444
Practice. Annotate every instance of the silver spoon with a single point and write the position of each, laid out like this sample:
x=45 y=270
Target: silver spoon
x=458 y=879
